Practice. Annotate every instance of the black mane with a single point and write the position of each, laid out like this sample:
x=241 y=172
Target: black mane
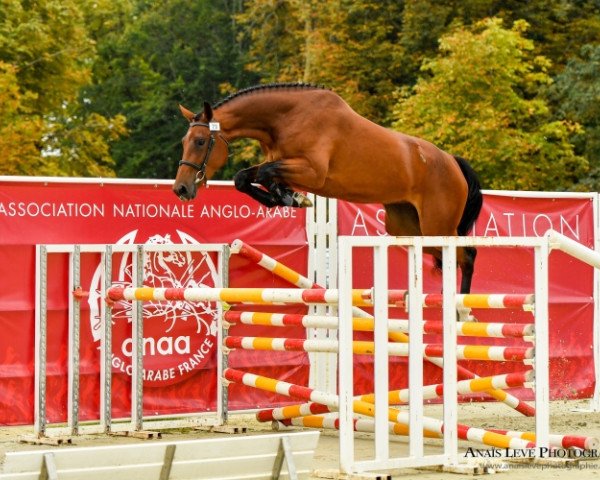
x=267 y=87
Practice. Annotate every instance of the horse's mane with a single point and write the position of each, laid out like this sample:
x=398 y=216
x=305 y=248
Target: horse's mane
x=268 y=87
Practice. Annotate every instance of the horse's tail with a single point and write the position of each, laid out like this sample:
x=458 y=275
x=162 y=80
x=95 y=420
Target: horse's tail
x=474 y=198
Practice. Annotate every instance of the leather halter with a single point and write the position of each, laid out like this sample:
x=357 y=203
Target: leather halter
x=213 y=127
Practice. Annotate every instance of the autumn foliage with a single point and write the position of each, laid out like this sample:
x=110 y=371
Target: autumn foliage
x=91 y=87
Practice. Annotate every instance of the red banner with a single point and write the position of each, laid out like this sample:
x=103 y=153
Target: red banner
x=179 y=338
x=506 y=270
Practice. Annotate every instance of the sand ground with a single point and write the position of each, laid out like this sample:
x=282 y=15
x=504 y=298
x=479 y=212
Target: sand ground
x=565 y=419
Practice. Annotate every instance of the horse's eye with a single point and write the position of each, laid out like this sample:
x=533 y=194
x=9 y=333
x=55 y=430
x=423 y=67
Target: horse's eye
x=199 y=142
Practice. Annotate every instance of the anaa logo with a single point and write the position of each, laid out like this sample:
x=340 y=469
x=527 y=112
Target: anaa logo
x=179 y=336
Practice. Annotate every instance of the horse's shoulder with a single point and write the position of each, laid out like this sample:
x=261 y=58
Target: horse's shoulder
x=328 y=98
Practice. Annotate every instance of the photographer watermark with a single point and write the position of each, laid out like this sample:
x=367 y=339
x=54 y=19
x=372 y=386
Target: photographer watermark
x=542 y=452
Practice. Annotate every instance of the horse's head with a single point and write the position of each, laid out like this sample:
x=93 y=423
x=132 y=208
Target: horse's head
x=204 y=152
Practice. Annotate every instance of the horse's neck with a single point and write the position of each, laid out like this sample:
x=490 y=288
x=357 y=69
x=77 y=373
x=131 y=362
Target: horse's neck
x=252 y=117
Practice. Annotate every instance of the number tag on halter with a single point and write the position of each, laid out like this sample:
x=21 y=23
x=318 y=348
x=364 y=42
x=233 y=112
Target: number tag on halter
x=214 y=126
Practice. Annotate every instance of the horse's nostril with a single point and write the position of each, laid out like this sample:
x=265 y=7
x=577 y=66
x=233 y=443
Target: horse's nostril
x=181 y=191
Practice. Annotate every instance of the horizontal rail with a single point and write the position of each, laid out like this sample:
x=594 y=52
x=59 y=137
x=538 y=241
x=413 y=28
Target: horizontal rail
x=132 y=248
x=558 y=241
x=360 y=297
x=395 y=397
x=432 y=327
x=463 y=352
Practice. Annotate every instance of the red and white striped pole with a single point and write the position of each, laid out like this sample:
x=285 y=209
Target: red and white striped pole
x=463 y=352
x=364 y=408
x=465 y=329
x=463 y=373
x=396 y=397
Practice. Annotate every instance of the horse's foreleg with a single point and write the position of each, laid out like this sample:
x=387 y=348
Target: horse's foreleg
x=243 y=182
x=270 y=176
x=288 y=197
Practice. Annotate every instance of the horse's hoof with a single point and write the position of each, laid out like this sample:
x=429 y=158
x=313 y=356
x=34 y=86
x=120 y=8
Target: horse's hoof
x=464 y=315
x=301 y=200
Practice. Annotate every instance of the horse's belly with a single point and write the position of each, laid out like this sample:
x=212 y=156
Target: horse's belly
x=364 y=190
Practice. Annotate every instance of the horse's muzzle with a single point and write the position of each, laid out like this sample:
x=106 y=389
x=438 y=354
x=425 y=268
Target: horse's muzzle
x=184 y=192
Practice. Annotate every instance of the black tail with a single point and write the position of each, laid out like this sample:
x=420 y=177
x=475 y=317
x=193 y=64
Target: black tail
x=469 y=216
x=474 y=198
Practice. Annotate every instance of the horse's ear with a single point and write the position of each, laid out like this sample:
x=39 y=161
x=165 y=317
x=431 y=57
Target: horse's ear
x=208 y=113
x=187 y=114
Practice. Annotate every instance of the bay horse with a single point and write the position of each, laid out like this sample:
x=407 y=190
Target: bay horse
x=314 y=142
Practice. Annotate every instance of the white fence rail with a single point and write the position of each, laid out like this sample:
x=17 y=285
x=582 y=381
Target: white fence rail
x=380 y=247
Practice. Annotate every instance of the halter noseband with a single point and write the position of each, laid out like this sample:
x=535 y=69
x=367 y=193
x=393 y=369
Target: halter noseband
x=213 y=127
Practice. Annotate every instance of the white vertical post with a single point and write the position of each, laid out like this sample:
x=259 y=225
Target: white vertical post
x=74 y=340
x=222 y=358
x=381 y=361
x=542 y=365
x=449 y=342
x=106 y=345
x=137 y=333
x=595 y=400
x=345 y=356
x=331 y=262
x=322 y=375
x=415 y=357
x=41 y=331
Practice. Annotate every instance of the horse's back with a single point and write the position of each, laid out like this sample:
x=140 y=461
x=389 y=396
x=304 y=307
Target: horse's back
x=372 y=164
x=360 y=161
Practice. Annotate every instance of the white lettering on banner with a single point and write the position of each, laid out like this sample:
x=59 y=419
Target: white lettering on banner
x=360 y=227
x=244 y=211
x=149 y=375
x=491 y=229
x=140 y=210
x=51 y=209
x=380 y=216
x=121 y=366
x=225 y=211
x=276 y=212
x=159 y=375
x=162 y=346
x=495 y=225
x=165 y=346
x=197 y=357
x=527 y=225
x=153 y=210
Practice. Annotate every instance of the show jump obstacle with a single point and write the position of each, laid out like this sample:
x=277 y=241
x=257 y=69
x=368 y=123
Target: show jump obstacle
x=380 y=411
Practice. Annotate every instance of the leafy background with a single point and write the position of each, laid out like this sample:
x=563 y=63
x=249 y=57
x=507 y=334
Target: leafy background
x=91 y=87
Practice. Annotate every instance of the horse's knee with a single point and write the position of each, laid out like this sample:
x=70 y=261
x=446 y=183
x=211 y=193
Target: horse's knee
x=268 y=174
x=242 y=180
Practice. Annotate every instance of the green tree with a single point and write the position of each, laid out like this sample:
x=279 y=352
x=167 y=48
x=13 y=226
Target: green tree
x=19 y=131
x=576 y=92
x=48 y=53
x=558 y=27
x=477 y=99
x=46 y=41
x=174 y=52
x=349 y=46
x=78 y=144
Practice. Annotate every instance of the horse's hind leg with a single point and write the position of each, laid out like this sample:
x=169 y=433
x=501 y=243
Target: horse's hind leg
x=466 y=261
x=403 y=219
x=444 y=222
